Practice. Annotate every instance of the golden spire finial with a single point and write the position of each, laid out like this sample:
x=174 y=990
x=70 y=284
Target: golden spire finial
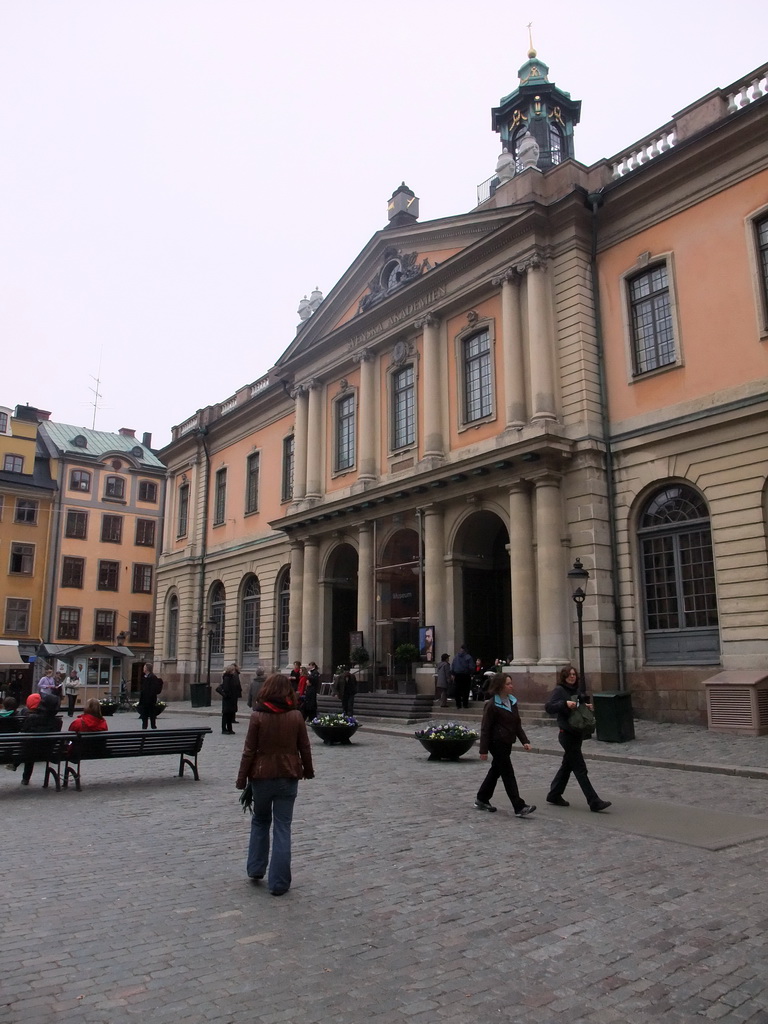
x=531 y=50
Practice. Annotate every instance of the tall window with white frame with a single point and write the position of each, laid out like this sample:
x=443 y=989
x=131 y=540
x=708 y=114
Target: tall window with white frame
x=252 y=483
x=172 y=628
x=761 y=237
x=345 y=432
x=251 y=618
x=652 y=333
x=284 y=616
x=218 y=613
x=478 y=391
x=288 y=463
x=183 y=511
x=403 y=407
x=220 y=498
x=678 y=572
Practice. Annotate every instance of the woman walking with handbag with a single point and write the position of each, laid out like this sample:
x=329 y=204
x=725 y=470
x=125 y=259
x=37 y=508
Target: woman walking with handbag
x=563 y=700
x=501 y=727
x=276 y=755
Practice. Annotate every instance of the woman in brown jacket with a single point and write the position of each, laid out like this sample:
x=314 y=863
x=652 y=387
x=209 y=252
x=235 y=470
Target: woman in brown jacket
x=501 y=727
x=276 y=755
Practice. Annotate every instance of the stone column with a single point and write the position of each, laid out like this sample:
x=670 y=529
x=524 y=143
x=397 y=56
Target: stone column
x=434 y=443
x=365 y=583
x=516 y=413
x=310 y=624
x=315 y=435
x=434 y=572
x=540 y=342
x=367 y=462
x=522 y=564
x=553 y=631
x=297 y=600
x=300 y=444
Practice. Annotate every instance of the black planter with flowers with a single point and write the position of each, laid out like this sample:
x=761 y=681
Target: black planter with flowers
x=446 y=741
x=334 y=728
x=108 y=706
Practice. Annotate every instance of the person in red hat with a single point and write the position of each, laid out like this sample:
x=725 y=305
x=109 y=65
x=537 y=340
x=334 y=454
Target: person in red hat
x=41 y=717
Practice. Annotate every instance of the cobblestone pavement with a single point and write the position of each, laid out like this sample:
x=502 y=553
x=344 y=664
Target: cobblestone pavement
x=128 y=901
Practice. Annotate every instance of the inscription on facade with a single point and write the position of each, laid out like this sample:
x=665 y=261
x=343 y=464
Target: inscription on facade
x=408 y=310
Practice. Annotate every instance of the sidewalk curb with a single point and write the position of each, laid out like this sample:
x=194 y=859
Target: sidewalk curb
x=639 y=760
x=406 y=729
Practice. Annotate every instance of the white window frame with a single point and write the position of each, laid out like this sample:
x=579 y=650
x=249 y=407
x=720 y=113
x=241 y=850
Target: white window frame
x=758 y=282
x=643 y=265
x=350 y=394
x=480 y=325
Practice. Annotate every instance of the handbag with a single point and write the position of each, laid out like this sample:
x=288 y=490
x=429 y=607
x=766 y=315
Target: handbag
x=582 y=720
x=220 y=690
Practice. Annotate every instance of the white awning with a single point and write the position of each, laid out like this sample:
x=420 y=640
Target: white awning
x=9 y=655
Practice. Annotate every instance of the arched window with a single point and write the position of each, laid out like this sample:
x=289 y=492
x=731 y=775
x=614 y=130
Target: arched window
x=172 y=628
x=678 y=578
x=555 y=145
x=218 y=610
x=283 y=616
x=251 y=617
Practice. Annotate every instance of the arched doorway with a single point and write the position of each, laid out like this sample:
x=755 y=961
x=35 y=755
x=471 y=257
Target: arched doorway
x=341 y=575
x=484 y=617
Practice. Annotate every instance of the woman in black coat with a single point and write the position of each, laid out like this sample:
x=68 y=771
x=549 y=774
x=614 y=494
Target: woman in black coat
x=501 y=727
x=564 y=699
x=230 y=691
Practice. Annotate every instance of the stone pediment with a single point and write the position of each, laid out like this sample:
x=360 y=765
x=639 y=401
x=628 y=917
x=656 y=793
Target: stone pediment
x=396 y=269
x=390 y=263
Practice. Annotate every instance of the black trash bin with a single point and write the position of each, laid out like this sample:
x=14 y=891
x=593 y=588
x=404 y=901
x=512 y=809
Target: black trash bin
x=200 y=695
x=613 y=713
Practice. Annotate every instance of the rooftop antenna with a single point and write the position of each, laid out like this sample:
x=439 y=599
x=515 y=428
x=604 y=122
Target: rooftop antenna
x=96 y=393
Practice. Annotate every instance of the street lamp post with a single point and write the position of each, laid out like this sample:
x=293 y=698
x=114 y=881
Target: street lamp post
x=578 y=578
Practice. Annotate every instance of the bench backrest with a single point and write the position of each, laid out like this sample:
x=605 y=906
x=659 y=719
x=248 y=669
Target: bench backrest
x=88 y=746
x=33 y=746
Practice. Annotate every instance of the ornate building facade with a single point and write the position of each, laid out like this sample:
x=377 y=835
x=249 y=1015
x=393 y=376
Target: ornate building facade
x=574 y=369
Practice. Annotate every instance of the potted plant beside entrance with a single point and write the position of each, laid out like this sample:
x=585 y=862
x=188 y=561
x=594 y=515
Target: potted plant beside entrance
x=446 y=740
x=334 y=728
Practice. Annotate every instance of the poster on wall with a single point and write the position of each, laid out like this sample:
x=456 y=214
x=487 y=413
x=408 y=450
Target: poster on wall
x=427 y=642
x=355 y=640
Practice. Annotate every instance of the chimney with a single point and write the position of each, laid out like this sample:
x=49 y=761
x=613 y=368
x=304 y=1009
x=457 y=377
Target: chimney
x=146 y=440
x=126 y=432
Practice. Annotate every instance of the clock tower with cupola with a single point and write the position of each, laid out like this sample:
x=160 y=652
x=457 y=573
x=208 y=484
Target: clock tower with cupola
x=537 y=110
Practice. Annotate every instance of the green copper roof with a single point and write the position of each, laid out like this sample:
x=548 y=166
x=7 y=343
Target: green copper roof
x=93 y=445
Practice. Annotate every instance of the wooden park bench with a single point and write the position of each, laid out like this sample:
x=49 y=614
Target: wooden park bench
x=51 y=747
x=100 y=746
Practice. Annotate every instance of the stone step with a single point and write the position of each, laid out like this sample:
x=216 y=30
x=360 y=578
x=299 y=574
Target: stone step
x=414 y=707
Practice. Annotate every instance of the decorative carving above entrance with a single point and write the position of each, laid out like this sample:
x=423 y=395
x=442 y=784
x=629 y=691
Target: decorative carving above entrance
x=397 y=269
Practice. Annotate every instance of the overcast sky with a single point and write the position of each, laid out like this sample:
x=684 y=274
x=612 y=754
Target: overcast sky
x=177 y=174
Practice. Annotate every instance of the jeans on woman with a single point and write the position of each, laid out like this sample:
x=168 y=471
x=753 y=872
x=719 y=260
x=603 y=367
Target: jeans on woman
x=273 y=801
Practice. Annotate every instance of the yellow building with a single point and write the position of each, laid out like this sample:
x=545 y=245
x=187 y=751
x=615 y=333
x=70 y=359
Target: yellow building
x=576 y=369
x=26 y=500
x=107 y=526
